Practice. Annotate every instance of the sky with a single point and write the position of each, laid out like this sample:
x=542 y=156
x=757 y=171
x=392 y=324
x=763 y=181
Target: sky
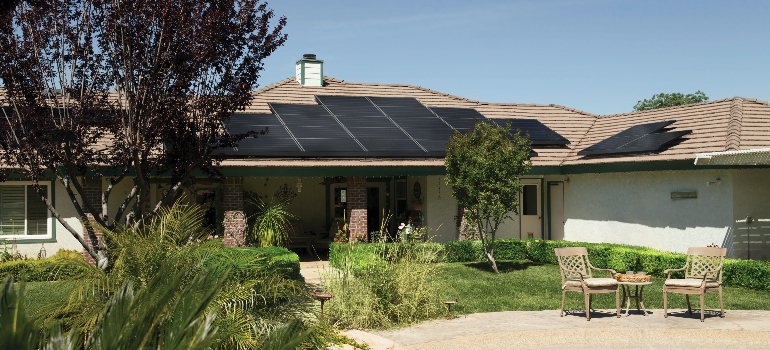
x=599 y=56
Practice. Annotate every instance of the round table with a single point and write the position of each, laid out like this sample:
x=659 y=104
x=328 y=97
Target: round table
x=627 y=296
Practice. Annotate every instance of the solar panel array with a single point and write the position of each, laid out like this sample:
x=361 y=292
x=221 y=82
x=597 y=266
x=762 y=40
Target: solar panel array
x=359 y=126
x=650 y=137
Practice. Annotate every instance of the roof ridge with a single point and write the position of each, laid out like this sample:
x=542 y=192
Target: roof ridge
x=274 y=85
x=579 y=144
x=734 y=125
x=670 y=108
x=458 y=98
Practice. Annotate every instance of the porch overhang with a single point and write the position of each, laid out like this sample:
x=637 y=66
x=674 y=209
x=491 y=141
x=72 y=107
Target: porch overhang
x=760 y=156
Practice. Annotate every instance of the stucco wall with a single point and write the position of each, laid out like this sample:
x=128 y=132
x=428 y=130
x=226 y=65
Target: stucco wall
x=751 y=188
x=636 y=208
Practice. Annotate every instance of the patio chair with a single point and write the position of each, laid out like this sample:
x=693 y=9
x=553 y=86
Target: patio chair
x=702 y=274
x=576 y=276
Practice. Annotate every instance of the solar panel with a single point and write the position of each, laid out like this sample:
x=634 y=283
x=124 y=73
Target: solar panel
x=317 y=131
x=461 y=119
x=650 y=137
x=277 y=141
x=428 y=130
x=373 y=129
x=539 y=134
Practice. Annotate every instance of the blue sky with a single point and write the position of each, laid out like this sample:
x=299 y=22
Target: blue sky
x=597 y=56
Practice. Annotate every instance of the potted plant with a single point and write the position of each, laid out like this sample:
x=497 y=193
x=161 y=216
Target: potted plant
x=271 y=224
x=417 y=204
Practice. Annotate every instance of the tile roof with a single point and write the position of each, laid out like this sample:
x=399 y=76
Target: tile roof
x=729 y=124
x=570 y=123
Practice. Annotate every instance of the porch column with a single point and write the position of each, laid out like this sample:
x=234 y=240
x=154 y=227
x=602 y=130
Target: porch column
x=92 y=191
x=235 y=218
x=356 y=197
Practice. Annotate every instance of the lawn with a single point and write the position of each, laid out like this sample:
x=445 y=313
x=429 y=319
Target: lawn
x=41 y=297
x=522 y=285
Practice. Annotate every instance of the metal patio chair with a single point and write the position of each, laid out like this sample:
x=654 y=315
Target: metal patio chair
x=702 y=274
x=576 y=276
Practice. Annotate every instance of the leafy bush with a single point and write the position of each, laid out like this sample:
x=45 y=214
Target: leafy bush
x=63 y=265
x=383 y=285
x=751 y=274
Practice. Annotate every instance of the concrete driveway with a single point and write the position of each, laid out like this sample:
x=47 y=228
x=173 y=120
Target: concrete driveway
x=546 y=330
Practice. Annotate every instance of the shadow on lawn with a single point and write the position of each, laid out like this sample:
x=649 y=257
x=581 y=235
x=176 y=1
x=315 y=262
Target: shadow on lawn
x=503 y=266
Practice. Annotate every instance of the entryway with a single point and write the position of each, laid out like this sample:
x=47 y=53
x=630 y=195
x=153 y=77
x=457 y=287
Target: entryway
x=530 y=209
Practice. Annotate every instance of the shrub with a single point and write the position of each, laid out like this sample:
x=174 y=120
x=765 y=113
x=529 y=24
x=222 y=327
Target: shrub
x=750 y=274
x=383 y=285
x=63 y=265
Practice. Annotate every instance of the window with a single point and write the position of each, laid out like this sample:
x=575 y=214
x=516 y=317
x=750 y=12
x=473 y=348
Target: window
x=529 y=200
x=22 y=213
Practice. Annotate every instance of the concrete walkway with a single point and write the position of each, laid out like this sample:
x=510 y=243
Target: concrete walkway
x=546 y=330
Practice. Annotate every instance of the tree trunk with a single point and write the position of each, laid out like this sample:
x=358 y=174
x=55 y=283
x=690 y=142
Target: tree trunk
x=489 y=252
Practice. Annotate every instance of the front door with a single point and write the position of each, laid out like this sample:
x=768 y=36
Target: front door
x=531 y=217
x=556 y=213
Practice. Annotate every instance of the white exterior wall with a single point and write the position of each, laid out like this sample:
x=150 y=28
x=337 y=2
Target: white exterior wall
x=637 y=209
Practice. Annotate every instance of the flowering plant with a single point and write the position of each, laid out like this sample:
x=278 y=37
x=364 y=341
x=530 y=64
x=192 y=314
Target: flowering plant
x=404 y=230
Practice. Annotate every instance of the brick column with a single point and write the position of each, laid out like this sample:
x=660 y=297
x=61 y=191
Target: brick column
x=92 y=191
x=356 y=197
x=235 y=218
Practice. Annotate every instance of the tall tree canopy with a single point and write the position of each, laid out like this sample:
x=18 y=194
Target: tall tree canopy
x=484 y=169
x=663 y=100
x=124 y=90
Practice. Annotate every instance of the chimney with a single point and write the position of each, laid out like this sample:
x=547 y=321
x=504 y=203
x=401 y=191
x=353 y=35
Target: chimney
x=310 y=71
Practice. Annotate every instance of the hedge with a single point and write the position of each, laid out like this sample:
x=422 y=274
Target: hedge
x=67 y=264
x=750 y=274
x=64 y=264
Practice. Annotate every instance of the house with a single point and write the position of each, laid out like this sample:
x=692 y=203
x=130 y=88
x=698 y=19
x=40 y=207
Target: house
x=668 y=179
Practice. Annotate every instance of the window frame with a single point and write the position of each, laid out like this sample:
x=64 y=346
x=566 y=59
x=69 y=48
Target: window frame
x=50 y=235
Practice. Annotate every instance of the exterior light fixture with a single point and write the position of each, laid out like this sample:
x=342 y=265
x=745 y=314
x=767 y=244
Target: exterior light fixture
x=42 y=253
x=717 y=182
x=299 y=184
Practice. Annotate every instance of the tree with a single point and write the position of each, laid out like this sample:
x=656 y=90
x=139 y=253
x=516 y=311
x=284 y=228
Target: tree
x=484 y=169
x=663 y=100
x=133 y=91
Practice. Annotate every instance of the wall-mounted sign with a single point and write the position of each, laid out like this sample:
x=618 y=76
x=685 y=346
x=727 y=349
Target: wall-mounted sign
x=343 y=196
x=684 y=195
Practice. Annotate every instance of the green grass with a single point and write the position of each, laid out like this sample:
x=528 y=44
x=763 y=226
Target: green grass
x=42 y=296
x=522 y=285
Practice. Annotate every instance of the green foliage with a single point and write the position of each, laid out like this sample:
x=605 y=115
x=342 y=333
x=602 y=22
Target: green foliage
x=169 y=314
x=527 y=286
x=63 y=265
x=383 y=285
x=271 y=224
x=663 y=100
x=484 y=168
x=750 y=274
x=255 y=300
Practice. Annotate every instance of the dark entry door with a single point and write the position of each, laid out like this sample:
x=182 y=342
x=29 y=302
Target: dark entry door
x=372 y=209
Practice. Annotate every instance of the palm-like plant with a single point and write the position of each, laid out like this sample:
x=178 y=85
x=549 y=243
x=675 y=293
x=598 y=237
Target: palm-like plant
x=249 y=303
x=271 y=222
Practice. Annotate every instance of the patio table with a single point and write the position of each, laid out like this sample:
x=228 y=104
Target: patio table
x=627 y=296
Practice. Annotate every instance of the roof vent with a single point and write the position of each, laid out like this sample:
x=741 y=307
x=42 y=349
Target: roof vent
x=310 y=71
